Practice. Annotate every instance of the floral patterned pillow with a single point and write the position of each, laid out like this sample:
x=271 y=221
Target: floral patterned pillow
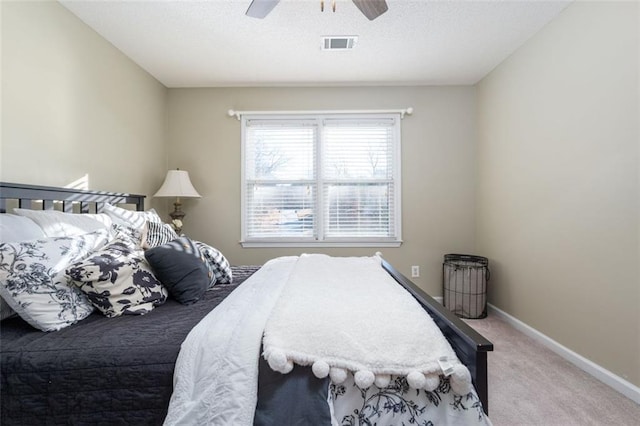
x=33 y=282
x=118 y=280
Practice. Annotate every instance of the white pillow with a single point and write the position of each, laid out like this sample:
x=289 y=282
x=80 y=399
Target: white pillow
x=33 y=283
x=132 y=218
x=59 y=224
x=18 y=228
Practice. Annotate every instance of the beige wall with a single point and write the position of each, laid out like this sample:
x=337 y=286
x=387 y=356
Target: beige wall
x=556 y=201
x=438 y=166
x=558 y=193
x=73 y=105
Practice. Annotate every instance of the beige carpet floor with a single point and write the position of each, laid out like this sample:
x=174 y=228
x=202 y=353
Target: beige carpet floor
x=531 y=385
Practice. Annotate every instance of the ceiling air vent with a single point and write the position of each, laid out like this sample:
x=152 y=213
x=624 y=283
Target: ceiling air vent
x=339 y=42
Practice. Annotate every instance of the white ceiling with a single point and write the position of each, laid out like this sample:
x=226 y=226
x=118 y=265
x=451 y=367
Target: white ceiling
x=212 y=43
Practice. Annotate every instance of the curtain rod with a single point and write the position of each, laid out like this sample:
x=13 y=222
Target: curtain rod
x=402 y=112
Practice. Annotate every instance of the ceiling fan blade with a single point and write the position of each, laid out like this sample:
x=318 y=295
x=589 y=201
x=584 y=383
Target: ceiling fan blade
x=261 y=8
x=371 y=8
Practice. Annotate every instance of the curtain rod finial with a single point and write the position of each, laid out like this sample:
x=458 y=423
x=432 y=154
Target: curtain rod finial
x=232 y=113
x=407 y=111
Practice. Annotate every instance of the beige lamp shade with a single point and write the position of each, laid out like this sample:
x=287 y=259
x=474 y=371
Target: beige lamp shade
x=177 y=184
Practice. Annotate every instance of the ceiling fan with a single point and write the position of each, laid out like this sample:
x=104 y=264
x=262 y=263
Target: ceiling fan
x=370 y=8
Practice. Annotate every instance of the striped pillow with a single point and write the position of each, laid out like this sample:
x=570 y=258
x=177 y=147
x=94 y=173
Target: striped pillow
x=219 y=264
x=159 y=233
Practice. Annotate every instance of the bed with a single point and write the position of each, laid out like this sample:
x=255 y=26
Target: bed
x=120 y=370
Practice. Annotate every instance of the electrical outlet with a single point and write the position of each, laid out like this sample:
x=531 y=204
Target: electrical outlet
x=415 y=271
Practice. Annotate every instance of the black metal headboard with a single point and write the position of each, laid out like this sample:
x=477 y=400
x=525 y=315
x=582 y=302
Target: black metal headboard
x=25 y=195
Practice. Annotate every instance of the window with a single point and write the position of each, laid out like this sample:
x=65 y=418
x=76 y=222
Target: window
x=331 y=180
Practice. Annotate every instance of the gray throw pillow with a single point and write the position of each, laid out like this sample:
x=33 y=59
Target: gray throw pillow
x=181 y=268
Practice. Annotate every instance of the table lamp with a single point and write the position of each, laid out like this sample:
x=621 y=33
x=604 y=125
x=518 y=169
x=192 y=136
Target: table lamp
x=177 y=184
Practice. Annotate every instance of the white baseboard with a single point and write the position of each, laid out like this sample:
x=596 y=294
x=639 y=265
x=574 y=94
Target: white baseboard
x=621 y=385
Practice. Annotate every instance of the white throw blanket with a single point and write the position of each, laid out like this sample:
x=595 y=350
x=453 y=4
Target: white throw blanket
x=216 y=376
x=342 y=314
x=216 y=373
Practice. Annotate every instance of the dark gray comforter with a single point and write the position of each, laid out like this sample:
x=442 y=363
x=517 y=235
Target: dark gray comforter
x=101 y=370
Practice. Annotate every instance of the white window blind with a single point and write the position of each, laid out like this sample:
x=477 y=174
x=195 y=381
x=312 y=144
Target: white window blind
x=321 y=180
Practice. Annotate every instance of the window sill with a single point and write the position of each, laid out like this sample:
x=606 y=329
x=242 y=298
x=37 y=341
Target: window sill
x=272 y=244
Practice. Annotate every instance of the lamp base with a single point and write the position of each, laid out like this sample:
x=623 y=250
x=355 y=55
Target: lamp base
x=176 y=216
